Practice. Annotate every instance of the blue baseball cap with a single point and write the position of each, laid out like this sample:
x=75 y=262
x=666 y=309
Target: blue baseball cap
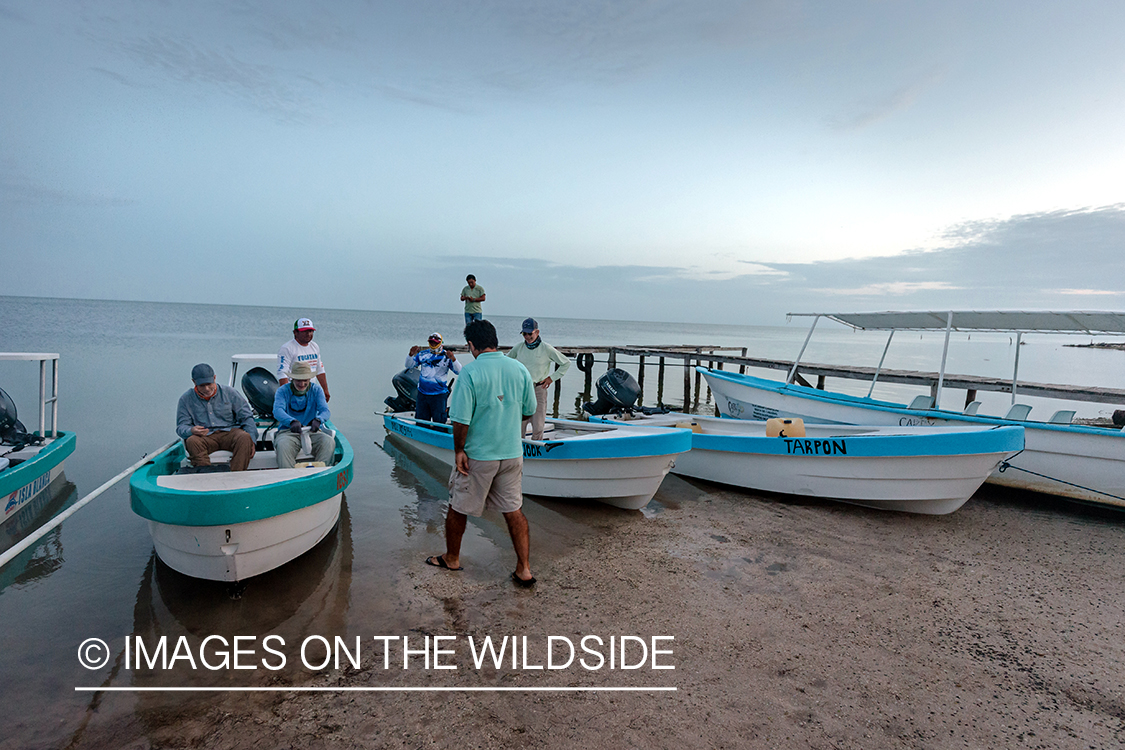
x=202 y=373
x=529 y=326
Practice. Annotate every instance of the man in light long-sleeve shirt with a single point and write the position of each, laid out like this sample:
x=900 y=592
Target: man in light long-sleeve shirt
x=297 y=404
x=537 y=356
x=212 y=417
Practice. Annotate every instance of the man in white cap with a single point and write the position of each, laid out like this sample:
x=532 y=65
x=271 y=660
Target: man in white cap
x=537 y=356
x=212 y=417
x=302 y=348
x=436 y=362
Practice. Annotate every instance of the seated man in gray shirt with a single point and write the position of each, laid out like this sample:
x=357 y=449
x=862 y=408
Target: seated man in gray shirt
x=212 y=417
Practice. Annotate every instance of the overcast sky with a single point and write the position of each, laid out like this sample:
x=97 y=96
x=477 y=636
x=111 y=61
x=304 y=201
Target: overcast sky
x=701 y=161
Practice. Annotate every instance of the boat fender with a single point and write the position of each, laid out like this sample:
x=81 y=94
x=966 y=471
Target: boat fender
x=784 y=427
x=584 y=361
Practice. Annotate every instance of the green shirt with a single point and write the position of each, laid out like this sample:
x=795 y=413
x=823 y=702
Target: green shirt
x=492 y=396
x=475 y=293
x=538 y=360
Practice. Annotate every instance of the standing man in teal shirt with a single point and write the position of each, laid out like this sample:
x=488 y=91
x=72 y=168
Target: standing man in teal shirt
x=489 y=402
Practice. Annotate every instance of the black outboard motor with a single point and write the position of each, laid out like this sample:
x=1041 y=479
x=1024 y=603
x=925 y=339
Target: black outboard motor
x=617 y=391
x=12 y=431
x=406 y=385
x=260 y=386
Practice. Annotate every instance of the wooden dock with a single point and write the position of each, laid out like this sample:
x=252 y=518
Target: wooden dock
x=688 y=356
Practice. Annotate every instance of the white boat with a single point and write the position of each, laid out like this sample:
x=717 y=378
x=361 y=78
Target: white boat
x=31 y=462
x=1079 y=462
x=231 y=525
x=618 y=465
x=932 y=471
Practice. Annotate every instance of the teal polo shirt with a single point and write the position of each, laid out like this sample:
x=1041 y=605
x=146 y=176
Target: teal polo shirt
x=492 y=396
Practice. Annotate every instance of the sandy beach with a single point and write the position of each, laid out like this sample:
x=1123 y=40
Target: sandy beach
x=796 y=624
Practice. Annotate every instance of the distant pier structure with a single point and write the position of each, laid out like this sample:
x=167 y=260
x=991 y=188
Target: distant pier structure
x=666 y=358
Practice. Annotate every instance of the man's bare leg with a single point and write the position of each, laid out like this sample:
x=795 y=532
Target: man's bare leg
x=521 y=540
x=455 y=523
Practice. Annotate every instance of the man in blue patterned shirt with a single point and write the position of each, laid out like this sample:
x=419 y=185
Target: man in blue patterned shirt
x=435 y=364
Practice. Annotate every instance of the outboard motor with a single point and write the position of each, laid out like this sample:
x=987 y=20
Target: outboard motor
x=406 y=386
x=260 y=386
x=7 y=412
x=12 y=431
x=617 y=391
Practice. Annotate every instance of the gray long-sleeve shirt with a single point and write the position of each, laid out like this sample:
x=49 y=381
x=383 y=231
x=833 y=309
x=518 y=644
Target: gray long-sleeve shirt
x=226 y=409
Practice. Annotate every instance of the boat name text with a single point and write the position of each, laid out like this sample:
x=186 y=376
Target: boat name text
x=796 y=447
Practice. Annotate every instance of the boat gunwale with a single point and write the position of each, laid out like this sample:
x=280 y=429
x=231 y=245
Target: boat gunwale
x=890 y=406
x=179 y=507
x=630 y=443
x=41 y=463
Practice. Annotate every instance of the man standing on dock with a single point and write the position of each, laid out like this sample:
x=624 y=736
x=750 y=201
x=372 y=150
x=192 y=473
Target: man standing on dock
x=212 y=417
x=472 y=295
x=489 y=401
x=302 y=348
x=537 y=355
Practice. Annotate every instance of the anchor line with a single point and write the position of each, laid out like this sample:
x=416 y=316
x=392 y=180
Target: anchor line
x=1005 y=465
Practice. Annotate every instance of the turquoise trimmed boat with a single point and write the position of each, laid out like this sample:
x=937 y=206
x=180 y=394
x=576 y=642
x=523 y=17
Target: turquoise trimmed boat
x=29 y=467
x=232 y=525
x=613 y=464
x=927 y=470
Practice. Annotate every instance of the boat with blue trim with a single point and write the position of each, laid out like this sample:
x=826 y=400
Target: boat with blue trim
x=617 y=465
x=31 y=461
x=932 y=471
x=232 y=525
x=1079 y=462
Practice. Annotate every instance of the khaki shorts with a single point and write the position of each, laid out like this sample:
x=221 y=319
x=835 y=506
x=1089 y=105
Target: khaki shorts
x=490 y=484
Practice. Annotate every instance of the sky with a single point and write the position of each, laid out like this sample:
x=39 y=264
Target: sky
x=722 y=162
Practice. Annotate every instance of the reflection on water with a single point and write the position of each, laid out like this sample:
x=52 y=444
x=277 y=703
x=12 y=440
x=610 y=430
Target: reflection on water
x=305 y=596
x=46 y=556
x=421 y=476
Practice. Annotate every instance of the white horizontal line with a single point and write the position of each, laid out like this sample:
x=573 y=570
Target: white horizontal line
x=372 y=689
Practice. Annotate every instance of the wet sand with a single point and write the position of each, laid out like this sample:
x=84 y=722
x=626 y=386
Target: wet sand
x=796 y=624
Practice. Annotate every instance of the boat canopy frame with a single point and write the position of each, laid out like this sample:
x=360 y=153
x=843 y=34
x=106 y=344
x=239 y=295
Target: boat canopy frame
x=1019 y=322
x=44 y=400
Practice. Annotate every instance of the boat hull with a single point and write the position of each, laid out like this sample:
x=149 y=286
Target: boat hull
x=911 y=469
x=627 y=479
x=239 y=551
x=21 y=484
x=1077 y=462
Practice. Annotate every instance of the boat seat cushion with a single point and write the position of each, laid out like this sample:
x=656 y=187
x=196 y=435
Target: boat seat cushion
x=922 y=402
x=1018 y=412
x=1062 y=416
x=971 y=407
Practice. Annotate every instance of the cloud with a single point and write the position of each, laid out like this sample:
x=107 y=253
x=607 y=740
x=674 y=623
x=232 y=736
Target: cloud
x=18 y=189
x=870 y=112
x=1091 y=292
x=892 y=288
x=262 y=86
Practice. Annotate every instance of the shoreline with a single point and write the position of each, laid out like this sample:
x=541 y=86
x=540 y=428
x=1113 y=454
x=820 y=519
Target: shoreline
x=797 y=624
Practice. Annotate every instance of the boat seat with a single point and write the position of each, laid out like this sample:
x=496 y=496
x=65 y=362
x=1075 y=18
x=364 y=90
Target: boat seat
x=1062 y=416
x=922 y=402
x=1018 y=412
x=971 y=408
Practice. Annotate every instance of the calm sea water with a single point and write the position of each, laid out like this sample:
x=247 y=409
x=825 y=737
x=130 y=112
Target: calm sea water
x=123 y=366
